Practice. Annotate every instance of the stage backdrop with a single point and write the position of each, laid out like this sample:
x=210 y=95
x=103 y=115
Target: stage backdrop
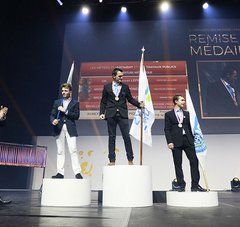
x=178 y=54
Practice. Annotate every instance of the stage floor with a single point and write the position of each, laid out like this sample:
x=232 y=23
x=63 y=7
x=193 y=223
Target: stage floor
x=26 y=210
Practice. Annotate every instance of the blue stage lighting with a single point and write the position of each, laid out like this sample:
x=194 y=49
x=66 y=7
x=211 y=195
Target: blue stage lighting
x=205 y=5
x=85 y=10
x=164 y=6
x=123 y=9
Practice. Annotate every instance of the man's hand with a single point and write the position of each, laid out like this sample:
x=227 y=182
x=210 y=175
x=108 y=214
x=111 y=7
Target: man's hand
x=55 y=121
x=102 y=116
x=60 y=108
x=170 y=146
x=142 y=105
x=3 y=112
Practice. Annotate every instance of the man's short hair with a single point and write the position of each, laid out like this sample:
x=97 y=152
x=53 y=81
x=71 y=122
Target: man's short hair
x=227 y=71
x=114 y=72
x=175 y=98
x=67 y=86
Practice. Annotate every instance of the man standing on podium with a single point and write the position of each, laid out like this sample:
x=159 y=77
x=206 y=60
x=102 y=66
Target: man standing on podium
x=64 y=113
x=113 y=108
x=179 y=137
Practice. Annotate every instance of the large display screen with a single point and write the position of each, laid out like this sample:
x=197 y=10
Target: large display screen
x=165 y=80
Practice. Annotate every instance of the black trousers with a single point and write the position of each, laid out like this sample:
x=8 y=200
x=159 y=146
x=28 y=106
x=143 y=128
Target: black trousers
x=192 y=157
x=112 y=123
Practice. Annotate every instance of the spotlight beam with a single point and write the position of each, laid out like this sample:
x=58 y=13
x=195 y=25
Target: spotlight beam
x=165 y=6
x=205 y=5
x=85 y=10
x=60 y=2
x=123 y=9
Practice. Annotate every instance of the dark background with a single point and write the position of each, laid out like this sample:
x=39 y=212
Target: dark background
x=32 y=38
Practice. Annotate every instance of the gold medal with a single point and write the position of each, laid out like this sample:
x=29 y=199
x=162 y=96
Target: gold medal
x=116 y=98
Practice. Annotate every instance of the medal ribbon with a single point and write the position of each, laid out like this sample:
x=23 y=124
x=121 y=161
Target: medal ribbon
x=116 y=89
x=179 y=115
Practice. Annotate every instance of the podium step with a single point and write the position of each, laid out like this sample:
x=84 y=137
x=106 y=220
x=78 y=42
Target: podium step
x=127 y=186
x=66 y=192
x=158 y=196
x=192 y=199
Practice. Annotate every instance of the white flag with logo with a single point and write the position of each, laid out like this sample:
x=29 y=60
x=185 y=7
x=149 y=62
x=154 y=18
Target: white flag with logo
x=199 y=143
x=148 y=112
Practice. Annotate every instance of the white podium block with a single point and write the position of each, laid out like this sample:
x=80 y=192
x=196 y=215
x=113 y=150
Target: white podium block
x=127 y=186
x=66 y=192
x=192 y=199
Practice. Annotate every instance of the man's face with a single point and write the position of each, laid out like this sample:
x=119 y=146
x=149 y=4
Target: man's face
x=233 y=77
x=118 y=77
x=180 y=102
x=66 y=93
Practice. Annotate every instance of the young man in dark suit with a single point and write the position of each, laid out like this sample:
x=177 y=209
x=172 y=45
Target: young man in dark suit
x=179 y=137
x=113 y=108
x=64 y=113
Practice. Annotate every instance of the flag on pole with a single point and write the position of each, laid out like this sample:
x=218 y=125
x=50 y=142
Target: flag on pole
x=200 y=146
x=148 y=112
x=199 y=143
x=69 y=80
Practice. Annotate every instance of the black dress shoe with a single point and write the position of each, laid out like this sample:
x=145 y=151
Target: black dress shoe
x=4 y=202
x=178 y=187
x=198 y=189
x=181 y=189
x=78 y=176
x=58 y=176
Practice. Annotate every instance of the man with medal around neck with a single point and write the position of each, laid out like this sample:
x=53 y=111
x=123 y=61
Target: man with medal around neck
x=64 y=113
x=179 y=137
x=113 y=108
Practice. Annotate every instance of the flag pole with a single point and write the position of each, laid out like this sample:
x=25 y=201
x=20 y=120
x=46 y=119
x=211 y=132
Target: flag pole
x=204 y=176
x=198 y=133
x=144 y=115
x=141 y=126
x=70 y=75
x=141 y=136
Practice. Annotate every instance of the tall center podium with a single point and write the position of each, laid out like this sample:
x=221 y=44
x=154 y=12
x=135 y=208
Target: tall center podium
x=127 y=186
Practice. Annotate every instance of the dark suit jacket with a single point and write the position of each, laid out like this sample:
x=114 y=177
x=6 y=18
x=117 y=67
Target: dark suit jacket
x=219 y=102
x=109 y=105
x=68 y=119
x=173 y=133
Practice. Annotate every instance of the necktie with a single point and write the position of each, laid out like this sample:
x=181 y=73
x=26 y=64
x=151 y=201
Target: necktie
x=116 y=89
